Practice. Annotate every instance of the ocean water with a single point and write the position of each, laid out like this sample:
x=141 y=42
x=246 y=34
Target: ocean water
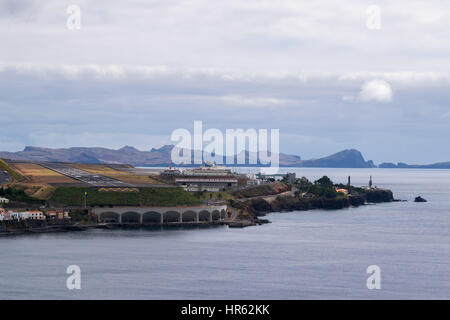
x=301 y=255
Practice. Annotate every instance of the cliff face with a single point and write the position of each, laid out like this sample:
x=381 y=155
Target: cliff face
x=378 y=195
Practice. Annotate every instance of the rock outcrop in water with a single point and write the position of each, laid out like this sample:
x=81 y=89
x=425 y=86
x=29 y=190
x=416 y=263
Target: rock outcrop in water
x=419 y=199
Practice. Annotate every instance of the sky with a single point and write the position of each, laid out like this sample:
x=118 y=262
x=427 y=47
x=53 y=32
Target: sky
x=370 y=75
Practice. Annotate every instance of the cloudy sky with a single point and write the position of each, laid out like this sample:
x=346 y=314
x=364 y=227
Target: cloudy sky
x=329 y=77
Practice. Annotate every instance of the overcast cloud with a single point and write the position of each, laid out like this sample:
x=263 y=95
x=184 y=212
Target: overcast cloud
x=137 y=70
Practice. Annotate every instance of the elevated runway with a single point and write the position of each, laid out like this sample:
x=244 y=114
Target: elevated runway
x=95 y=180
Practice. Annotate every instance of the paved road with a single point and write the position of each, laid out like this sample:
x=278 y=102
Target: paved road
x=4 y=177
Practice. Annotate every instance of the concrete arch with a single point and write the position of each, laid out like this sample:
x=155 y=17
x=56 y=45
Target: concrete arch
x=204 y=215
x=111 y=217
x=159 y=215
x=171 y=216
x=189 y=216
x=151 y=217
x=131 y=217
x=215 y=215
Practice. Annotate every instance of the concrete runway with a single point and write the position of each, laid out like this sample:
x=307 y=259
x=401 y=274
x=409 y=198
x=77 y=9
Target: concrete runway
x=96 y=180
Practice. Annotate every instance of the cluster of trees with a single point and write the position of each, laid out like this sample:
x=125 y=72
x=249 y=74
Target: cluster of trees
x=18 y=195
x=208 y=195
x=322 y=187
x=83 y=216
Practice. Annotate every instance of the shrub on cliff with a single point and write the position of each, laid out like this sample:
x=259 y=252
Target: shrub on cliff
x=260 y=205
x=322 y=187
x=356 y=200
x=261 y=190
x=288 y=203
x=322 y=191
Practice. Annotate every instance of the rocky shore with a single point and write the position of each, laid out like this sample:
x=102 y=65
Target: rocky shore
x=255 y=221
x=245 y=208
x=259 y=207
x=18 y=228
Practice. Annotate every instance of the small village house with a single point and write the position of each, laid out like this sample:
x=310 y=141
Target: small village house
x=33 y=215
x=57 y=215
x=4 y=200
x=344 y=191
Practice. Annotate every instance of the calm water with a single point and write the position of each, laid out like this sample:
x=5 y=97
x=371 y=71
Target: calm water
x=301 y=255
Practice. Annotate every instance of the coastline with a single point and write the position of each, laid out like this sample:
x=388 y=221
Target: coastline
x=107 y=226
x=257 y=208
x=236 y=208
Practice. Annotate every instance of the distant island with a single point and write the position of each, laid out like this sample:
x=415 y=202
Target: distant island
x=401 y=165
x=162 y=157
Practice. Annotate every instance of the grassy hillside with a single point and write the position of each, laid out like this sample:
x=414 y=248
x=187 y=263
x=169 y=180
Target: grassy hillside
x=261 y=190
x=74 y=196
x=17 y=176
x=39 y=191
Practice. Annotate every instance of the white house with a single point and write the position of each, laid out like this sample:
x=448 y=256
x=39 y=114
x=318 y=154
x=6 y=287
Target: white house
x=33 y=215
x=57 y=214
x=4 y=215
x=4 y=200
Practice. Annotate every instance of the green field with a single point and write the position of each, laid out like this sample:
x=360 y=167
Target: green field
x=164 y=197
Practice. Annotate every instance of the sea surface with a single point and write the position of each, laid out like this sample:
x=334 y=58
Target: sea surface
x=301 y=255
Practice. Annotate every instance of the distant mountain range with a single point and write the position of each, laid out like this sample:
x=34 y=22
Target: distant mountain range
x=162 y=157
